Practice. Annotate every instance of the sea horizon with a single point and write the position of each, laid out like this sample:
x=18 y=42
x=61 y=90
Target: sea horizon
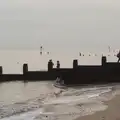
x=12 y=60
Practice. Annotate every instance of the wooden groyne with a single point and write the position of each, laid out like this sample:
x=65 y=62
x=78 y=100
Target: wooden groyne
x=78 y=74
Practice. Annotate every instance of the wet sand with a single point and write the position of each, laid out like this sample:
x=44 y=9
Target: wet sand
x=111 y=113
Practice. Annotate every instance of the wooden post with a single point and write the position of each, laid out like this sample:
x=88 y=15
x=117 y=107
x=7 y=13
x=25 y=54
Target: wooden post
x=25 y=68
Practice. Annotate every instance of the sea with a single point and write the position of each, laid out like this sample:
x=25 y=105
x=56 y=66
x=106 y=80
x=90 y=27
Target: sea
x=42 y=100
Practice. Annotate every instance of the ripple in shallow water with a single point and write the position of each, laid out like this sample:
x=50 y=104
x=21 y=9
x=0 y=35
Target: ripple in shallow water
x=74 y=102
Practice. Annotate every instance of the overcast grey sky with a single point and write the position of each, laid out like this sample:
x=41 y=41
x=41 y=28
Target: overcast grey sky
x=25 y=24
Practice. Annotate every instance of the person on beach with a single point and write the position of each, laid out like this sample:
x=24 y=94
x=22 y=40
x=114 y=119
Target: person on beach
x=118 y=55
x=58 y=64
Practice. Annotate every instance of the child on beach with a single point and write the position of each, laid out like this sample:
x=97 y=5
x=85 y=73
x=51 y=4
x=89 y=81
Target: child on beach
x=118 y=55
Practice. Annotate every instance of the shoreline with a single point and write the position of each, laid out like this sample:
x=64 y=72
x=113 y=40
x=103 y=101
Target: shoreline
x=111 y=113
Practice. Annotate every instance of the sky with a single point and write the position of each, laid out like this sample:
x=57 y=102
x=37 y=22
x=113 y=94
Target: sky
x=59 y=24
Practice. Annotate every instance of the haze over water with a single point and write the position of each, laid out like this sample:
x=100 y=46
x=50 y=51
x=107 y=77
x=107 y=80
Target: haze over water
x=64 y=28
x=12 y=61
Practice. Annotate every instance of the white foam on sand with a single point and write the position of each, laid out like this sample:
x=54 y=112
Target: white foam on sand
x=68 y=105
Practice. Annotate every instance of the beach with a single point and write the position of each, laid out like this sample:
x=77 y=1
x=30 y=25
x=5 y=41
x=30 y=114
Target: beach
x=37 y=101
x=111 y=113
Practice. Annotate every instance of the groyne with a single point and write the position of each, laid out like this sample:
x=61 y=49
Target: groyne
x=78 y=74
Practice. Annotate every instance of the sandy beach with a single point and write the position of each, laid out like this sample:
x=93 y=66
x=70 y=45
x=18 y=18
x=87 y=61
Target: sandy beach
x=111 y=113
